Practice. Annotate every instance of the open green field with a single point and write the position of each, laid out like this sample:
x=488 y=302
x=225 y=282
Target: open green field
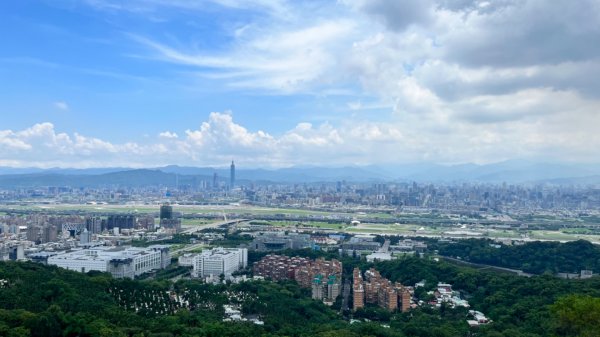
x=409 y=230
x=561 y=236
x=316 y=224
x=185 y=209
x=397 y=229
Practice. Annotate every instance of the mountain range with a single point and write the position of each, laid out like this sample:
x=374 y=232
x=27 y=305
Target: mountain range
x=169 y=176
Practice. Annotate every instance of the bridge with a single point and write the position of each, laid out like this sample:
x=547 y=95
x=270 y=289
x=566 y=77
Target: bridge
x=196 y=228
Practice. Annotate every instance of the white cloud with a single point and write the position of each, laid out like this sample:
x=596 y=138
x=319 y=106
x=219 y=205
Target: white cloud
x=61 y=106
x=463 y=81
x=168 y=135
x=220 y=138
x=284 y=61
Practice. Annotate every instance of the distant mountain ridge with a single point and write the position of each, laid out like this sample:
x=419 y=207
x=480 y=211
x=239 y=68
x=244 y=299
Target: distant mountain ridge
x=172 y=175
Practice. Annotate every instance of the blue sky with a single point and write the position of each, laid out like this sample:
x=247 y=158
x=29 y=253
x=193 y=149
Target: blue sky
x=279 y=83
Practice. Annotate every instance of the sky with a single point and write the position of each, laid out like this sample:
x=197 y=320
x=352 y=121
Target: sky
x=277 y=83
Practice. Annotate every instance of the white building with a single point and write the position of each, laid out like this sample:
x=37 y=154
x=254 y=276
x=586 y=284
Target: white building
x=186 y=260
x=121 y=262
x=378 y=256
x=219 y=261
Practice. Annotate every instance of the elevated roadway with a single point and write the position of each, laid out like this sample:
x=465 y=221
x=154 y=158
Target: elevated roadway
x=191 y=229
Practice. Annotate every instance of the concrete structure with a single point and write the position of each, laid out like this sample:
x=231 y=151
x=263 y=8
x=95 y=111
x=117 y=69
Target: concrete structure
x=375 y=289
x=324 y=277
x=121 y=262
x=326 y=289
x=12 y=252
x=377 y=256
x=166 y=212
x=358 y=291
x=33 y=233
x=120 y=221
x=279 y=267
x=94 y=225
x=72 y=228
x=280 y=241
x=168 y=219
x=85 y=237
x=186 y=260
x=360 y=245
x=49 y=234
x=220 y=261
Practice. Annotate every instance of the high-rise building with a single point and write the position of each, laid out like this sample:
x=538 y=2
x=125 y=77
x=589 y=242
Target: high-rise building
x=405 y=298
x=326 y=289
x=166 y=212
x=358 y=290
x=93 y=224
x=232 y=175
x=49 y=234
x=168 y=219
x=215 y=181
x=120 y=221
x=85 y=237
x=33 y=233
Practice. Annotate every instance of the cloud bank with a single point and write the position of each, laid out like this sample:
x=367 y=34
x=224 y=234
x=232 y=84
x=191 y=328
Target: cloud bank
x=220 y=138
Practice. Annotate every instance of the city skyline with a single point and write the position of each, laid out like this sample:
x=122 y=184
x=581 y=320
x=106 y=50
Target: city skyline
x=275 y=83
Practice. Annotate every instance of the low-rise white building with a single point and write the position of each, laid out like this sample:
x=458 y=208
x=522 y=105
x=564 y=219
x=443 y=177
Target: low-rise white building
x=121 y=262
x=186 y=260
x=219 y=261
x=378 y=256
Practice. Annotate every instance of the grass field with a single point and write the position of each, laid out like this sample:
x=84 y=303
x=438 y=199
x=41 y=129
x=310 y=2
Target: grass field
x=185 y=209
x=317 y=224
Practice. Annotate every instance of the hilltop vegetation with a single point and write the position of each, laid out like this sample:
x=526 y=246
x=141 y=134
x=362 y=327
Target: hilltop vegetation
x=40 y=300
x=533 y=257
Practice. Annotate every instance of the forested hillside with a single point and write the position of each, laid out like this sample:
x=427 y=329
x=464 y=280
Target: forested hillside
x=39 y=300
x=533 y=257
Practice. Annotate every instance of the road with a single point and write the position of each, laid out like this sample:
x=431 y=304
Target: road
x=486 y=266
x=385 y=248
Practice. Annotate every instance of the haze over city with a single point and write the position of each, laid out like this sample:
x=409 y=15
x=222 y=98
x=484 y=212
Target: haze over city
x=274 y=83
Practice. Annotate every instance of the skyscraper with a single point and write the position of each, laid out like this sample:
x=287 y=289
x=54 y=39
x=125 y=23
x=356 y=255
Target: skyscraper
x=166 y=212
x=169 y=219
x=232 y=175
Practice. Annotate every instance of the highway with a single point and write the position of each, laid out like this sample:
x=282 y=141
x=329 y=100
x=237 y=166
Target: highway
x=486 y=266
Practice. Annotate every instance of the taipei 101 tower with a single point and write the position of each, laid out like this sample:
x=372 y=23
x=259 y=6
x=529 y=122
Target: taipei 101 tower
x=232 y=175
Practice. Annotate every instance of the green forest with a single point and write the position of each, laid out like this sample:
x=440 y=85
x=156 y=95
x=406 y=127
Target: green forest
x=37 y=300
x=533 y=257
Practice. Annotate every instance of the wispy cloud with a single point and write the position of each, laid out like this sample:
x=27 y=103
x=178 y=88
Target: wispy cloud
x=272 y=7
x=295 y=60
x=61 y=105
